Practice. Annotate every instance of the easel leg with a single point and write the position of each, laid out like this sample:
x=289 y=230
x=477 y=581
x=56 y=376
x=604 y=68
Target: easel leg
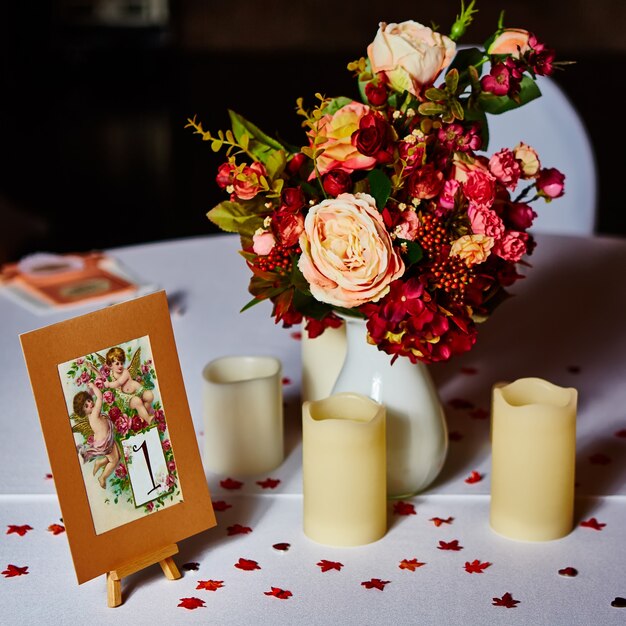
x=114 y=591
x=169 y=568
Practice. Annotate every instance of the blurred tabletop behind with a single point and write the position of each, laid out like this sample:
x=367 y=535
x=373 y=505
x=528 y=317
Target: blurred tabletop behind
x=96 y=93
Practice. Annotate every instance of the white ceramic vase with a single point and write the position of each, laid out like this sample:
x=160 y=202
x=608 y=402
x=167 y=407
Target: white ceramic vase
x=417 y=436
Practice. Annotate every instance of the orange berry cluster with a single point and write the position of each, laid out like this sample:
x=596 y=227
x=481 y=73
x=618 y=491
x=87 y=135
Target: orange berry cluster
x=431 y=234
x=279 y=260
x=452 y=275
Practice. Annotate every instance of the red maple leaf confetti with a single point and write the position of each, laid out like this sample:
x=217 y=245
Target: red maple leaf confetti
x=506 y=601
x=461 y=403
x=285 y=381
x=474 y=477
x=592 y=523
x=238 y=529
x=48 y=476
x=403 y=508
x=230 y=483
x=56 y=529
x=18 y=530
x=297 y=335
x=191 y=566
x=375 y=583
x=621 y=433
x=569 y=572
x=268 y=483
x=469 y=371
x=191 y=603
x=277 y=592
x=281 y=547
x=476 y=567
x=220 y=506
x=410 y=564
x=599 y=459
x=479 y=414
x=438 y=521
x=210 y=585
x=326 y=566
x=247 y=565
x=15 y=570
x=450 y=545
x=619 y=602
x=455 y=435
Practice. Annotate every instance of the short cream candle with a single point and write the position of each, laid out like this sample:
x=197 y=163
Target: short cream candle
x=533 y=434
x=344 y=470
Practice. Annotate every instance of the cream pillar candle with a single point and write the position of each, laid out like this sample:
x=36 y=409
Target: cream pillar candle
x=344 y=470
x=322 y=359
x=243 y=415
x=533 y=435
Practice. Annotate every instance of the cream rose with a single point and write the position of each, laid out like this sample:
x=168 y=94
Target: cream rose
x=410 y=54
x=473 y=249
x=347 y=254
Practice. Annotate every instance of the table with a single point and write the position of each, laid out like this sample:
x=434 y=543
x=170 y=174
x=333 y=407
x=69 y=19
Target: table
x=564 y=324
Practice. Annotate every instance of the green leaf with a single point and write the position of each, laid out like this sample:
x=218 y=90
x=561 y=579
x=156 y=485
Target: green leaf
x=452 y=80
x=436 y=94
x=414 y=251
x=275 y=164
x=457 y=109
x=260 y=144
x=235 y=218
x=463 y=58
x=335 y=104
x=429 y=108
x=500 y=104
x=306 y=304
x=380 y=187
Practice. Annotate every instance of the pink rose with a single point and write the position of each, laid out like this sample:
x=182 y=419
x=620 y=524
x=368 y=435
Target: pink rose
x=448 y=193
x=171 y=466
x=347 y=254
x=246 y=184
x=170 y=481
x=80 y=361
x=519 y=215
x=99 y=383
x=150 y=507
x=505 y=168
x=485 y=221
x=120 y=471
x=528 y=160
x=108 y=396
x=512 y=246
x=225 y=175
x=408 y=226
x=551 y=183
x=166 y=444
x=337 y=130
x=409 y=54
x=114 y=413
x=137 y=423
x=473 y=249
x=84 y=377
x=262 y=242
x=512 y=41
x=462 y=165
x=480 y=188
x=122 y=423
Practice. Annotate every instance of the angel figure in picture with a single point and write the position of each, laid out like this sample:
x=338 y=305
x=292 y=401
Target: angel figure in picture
x=132 y=392
x=98 y=431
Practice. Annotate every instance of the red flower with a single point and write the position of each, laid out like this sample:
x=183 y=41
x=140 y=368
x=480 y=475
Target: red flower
x=137 y=423
x=498 y=81
x=372 y=137
x=114 y=413
x=225 y=175
x=336 y=182
x=551 y=183
x=426 y=182
x=287 y=226
x=376 y=93
x=480 y=188
x=293 y=199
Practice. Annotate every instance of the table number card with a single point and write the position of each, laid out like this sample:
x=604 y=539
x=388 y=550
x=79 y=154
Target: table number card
x=120 y=439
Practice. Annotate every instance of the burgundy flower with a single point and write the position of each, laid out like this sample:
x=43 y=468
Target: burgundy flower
x=293 y=198
x=287 y=226
x=122 y=424
x=540 y=58
x=114 y=413
x=315 y=328
x=376 y=93
x=518 y=215
x=120 y=471
x=224 y=175
x=137 y=423
x=551 y=183
x=336 y=182
x=426 y=182
x=480 y=188
x=296 y=163
x=372 y=137
x=497 y=81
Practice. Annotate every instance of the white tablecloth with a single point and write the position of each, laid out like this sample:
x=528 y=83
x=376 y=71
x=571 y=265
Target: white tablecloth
x=564 y=324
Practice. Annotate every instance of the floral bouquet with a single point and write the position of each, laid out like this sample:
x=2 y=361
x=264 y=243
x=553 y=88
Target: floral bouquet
x=390 y=212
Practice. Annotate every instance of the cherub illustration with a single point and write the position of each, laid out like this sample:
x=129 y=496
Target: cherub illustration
x=98 y=431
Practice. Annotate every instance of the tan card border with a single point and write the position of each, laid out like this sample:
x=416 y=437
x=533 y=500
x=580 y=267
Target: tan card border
x=44 y=350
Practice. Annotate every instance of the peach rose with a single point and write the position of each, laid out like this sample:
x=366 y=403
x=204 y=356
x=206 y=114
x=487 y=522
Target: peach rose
x=463 y=165
x=347 y=254
x=262 y=242
x=410 y=54
x=528 y=160
x=337 y=129
x=511 y=41
x=473 y=249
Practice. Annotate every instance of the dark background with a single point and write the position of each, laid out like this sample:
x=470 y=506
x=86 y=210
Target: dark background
x=95 y=95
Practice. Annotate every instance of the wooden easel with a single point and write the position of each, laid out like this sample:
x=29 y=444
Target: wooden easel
x=163 y=557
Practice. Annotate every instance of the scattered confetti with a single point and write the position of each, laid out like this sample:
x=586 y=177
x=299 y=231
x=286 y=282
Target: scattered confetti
x=48 y=476
x=568 y=572
x=221 y=506
x=277 y=592
x=506 y=601
x=15 y=570
x=476 y=567
x=210 y=585
x=191 y=566
x=375 y=583
x=238 y=529
x=230 y=483
x=450 y=545
x=410 y=564
x=438 y=521
x=619 y=603
x=461 y=403
x=18 y=530
x=247 y=565
x=56 y=529
x=474 y=477
x=326 y=566
x=592 y=523
x=281 y=547
x=403 y=508
x=297 y=335
x=286 y=380
x=191 y=603
x=268 y=483
x=455 y=435
x=599 y=459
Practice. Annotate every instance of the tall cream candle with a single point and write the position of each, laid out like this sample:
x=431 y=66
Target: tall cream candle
x=344 y=470
x=533 y=435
